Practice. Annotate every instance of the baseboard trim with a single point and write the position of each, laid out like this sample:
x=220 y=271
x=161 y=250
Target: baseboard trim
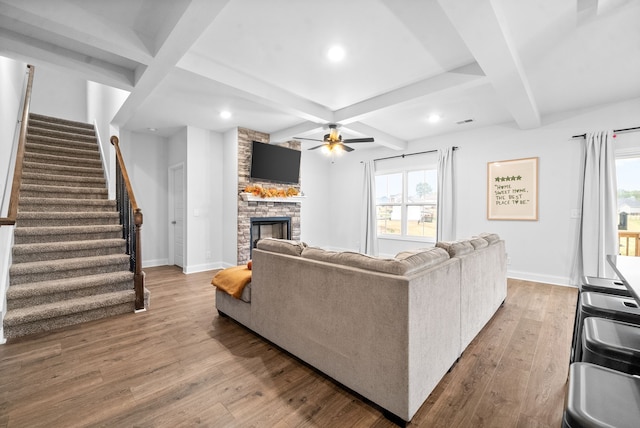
x=546 y=279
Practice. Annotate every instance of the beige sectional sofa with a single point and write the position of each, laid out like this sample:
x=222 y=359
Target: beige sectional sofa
x=388 y=329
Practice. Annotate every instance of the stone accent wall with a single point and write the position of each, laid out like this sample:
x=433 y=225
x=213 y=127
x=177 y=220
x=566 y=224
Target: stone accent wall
x=246 y=209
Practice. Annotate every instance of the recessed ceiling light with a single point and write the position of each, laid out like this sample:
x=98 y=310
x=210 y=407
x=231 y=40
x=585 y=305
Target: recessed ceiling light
x=225 y=114
x=152 y=129
x=336 y=53
x=434 y=118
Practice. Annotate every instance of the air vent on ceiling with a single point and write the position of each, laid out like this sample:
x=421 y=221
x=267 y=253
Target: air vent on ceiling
x=464 y=121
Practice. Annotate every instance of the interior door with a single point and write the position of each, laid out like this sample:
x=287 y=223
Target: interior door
x=176 y=215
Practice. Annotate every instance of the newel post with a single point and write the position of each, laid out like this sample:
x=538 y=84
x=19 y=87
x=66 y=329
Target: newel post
x=138 y=276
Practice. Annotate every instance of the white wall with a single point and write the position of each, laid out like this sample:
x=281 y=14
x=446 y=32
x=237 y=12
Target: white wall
x=229 y=201
x=145 y=157
x=59 y=94
x=13 y=75
x=204 y=192
x=315 y=216
x=538 y=250
x=103 y=103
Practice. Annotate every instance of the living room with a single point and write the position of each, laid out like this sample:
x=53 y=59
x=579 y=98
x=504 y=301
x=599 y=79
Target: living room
x=187 y=134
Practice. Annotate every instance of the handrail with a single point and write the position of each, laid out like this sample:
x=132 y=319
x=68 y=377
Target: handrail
x=131 y=221
x=12 y=213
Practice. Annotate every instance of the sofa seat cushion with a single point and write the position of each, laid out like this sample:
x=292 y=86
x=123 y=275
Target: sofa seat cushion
x=282 y=246
x=396 y=266
x=456 y=248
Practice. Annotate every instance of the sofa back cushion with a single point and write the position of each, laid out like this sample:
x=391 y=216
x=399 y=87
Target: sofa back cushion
x=491 y=238
x=408 y=263
x=282 y=246
x=456 y=248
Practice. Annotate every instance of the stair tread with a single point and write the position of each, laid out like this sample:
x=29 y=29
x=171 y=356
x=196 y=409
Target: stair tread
x=68 y=201
x=57 y=309
x=62 y=189
x=64 y=215
x=21 y=291
x=46 y=230
x=66 y=246
x=52 y=119
x=39 y=124
x=40 y=166
x=62 y=177
x=62 y=160
x=89 y=152
x=46 y=266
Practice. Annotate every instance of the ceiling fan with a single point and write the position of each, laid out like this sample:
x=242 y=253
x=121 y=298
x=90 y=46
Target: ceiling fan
x=333 y=140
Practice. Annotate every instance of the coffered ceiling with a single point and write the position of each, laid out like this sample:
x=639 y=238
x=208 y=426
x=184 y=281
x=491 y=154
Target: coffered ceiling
x=488 y=61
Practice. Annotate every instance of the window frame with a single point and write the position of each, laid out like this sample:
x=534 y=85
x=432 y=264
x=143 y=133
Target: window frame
x=404 y=204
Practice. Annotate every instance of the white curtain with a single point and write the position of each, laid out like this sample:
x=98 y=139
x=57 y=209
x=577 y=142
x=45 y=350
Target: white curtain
x=446 y=212
x=597 y=235
x=368 y=236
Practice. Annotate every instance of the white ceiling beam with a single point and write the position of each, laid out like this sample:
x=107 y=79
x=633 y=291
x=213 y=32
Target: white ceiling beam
x=193 y=22
x=38 y=52
x=67 y=20
x=380 y=137
x=256 y=90
x=301 y=130
x=432 y=86
x=482 y=26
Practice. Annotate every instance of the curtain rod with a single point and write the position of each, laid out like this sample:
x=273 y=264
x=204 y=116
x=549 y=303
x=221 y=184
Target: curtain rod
x=409 y=154
x=635 y=128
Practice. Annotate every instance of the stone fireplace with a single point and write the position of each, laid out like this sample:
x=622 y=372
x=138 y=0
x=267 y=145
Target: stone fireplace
x=250 y=211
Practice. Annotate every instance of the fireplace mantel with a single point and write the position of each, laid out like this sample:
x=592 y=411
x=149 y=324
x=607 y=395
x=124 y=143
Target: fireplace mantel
x=249 y=197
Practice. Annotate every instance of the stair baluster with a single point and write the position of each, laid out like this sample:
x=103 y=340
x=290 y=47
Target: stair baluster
x=131 y=221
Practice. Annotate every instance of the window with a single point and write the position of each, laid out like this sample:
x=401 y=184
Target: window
x=628 y=177
x=406 y=203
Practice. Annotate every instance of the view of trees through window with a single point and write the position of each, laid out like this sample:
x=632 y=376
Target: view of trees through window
x=628 y=177
x=406 y=203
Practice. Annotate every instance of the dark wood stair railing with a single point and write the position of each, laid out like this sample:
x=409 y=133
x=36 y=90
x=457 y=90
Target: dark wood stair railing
x=131 y=221
x=12 y=213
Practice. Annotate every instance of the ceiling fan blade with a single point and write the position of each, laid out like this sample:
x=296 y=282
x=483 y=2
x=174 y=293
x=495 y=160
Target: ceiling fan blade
x=302 y=138
x=347 y=148
x=359 y=140
x=317 y=147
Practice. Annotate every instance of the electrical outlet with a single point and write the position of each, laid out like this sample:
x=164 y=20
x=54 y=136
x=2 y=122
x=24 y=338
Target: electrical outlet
x=508 y=260
x=207 y=255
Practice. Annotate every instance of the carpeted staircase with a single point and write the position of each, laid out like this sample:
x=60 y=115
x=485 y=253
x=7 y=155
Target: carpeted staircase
x=69 y=262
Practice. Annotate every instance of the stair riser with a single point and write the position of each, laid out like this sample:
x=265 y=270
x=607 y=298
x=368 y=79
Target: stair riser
x=47 y=168
x=61 y=135
x=99 y=184
x=68 y=320
x=71 y=254
x=17 y=279
x=62 y=160
x=92 y=194
x=89 y=221
x=73 y=294
x=38 y=239
x=62 y=151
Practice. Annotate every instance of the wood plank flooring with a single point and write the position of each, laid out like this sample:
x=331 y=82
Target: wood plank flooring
x=180 y=365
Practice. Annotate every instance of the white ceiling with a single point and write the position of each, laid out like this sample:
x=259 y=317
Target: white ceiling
x=184 y=61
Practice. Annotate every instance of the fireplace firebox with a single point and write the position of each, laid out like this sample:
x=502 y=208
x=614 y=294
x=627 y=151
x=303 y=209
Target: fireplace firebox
x=269 y=227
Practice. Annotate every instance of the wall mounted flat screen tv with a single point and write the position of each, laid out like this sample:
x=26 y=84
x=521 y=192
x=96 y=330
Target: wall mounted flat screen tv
x=275 y=163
